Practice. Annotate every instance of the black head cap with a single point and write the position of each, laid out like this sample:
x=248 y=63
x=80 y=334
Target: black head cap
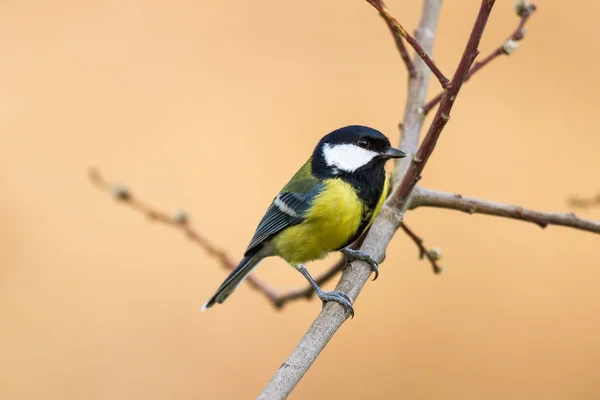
x=355 y=133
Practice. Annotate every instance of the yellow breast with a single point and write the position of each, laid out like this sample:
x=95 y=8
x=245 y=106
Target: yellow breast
x=334 y=217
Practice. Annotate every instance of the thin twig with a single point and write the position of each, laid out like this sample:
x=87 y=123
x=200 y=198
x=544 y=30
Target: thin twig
x=180 y=221
x=124 y=196
x=399 y=30
x=431 y=255
x=585 y=203
x=524 y=11
x=412 y=123
x=410 y=67
x=433 y=198
x=356 y=275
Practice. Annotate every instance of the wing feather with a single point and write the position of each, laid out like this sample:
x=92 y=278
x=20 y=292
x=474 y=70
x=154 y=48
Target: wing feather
x=287 y=209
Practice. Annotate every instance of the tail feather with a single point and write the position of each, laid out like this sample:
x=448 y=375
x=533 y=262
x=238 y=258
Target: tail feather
x=234 y=279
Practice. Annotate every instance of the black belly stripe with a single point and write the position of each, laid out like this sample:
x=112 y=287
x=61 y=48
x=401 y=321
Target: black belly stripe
x=369 y=187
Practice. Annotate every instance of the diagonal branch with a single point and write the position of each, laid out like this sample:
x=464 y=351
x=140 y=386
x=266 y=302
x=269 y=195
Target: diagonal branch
x=433 y=198
x=180 y=221
x=410 y=67
x=399 y=30
x=412 y=124
x=524 y=10
x=385 y=225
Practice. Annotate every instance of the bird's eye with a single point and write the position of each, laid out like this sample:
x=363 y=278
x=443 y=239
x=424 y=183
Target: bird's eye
x=364 y=143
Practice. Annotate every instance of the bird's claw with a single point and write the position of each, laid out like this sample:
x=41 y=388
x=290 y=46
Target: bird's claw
x=352 y=255
x=339 y=298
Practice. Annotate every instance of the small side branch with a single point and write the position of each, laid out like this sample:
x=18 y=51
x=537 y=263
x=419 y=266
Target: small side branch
x=410 y=67
x=180 y=221
x=524 y=10
x=585 y=203
x=432 y=255
x=399 y=30
x=433 y=198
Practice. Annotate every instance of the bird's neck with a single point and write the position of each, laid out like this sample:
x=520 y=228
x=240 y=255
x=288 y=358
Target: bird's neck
x=368 y=183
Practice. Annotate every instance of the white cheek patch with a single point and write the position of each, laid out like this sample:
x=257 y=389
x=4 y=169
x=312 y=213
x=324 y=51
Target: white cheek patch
x=347 y=157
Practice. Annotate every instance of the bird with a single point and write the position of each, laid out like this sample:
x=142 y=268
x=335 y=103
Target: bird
x=327 y=205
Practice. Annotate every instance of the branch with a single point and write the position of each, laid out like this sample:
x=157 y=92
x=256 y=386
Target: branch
x=433 y=255
x=585 y=203
x=399 y=199
x=410 y=128
x=180 y=221
x=410 y=67
x=524 y=10
x=399 y=30
x=385 y=225
x=433 y=198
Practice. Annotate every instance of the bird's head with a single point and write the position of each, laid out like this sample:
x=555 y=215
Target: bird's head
x=351 y=149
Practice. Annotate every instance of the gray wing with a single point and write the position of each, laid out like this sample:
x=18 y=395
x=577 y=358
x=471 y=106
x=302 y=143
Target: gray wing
x=287 y=209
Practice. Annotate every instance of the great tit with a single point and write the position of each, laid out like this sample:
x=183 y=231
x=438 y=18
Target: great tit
x=328 y=204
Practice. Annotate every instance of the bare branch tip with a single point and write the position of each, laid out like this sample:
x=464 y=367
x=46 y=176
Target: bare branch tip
x=94 y=175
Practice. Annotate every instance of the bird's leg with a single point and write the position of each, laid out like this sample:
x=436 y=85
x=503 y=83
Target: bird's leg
x=336 y=296
x=352 y=255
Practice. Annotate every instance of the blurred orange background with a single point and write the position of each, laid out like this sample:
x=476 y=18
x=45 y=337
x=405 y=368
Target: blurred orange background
x=212 y=106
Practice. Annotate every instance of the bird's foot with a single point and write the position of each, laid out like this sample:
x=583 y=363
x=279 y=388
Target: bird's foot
x=336 y=296
x=352 y=255
x=339 y=298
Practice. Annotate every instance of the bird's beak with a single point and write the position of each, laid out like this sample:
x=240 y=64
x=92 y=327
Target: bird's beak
x=394 y=153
